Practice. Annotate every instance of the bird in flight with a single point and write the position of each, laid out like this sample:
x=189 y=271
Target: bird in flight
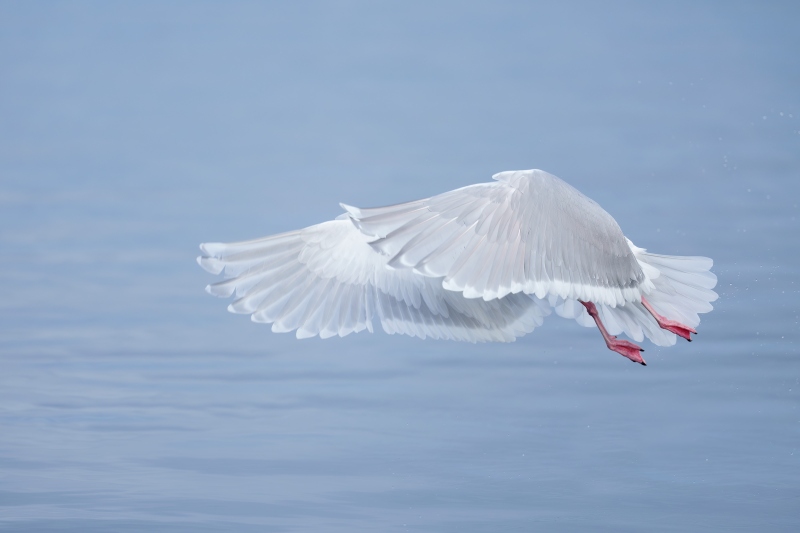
x=486 y=262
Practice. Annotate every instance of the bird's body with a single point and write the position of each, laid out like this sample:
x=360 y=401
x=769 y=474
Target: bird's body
x=485 y=262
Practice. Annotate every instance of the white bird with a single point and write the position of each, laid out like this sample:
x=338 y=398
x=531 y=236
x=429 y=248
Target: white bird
x=486 y=262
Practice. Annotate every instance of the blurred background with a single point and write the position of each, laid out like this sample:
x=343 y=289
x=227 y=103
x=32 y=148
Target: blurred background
x=132 y=131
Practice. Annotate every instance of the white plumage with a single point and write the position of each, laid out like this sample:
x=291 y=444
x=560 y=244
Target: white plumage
x=485 y=262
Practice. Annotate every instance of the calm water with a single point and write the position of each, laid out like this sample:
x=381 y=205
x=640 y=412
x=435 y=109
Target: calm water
x=130 y=400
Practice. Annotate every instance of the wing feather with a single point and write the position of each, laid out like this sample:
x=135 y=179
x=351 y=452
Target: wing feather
x=558 y=241
x=327 y=280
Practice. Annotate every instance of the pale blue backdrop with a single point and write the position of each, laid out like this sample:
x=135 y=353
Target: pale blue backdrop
x=132 y=131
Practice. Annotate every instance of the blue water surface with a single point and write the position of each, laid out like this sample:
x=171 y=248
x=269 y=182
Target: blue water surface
x=132 y=131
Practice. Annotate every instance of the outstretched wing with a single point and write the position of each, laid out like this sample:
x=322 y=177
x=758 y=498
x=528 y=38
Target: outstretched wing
x=528 y=232
x=327 y=280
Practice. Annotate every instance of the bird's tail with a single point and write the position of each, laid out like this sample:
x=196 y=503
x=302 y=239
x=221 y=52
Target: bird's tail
x=683 y=290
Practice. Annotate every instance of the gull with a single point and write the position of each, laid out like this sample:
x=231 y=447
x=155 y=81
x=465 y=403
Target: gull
x=486 y=262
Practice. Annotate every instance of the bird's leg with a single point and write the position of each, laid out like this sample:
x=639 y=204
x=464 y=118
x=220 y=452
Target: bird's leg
x=624 y=348
x=670 y=325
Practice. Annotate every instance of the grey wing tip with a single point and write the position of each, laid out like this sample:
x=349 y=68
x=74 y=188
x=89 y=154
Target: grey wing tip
x=210 y=264
x=352 y=211
x=212 y=248
x=510 y=175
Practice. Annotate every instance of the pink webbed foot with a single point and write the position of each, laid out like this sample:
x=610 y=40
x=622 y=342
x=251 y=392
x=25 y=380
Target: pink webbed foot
x=677 y=328
x=624 y=348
